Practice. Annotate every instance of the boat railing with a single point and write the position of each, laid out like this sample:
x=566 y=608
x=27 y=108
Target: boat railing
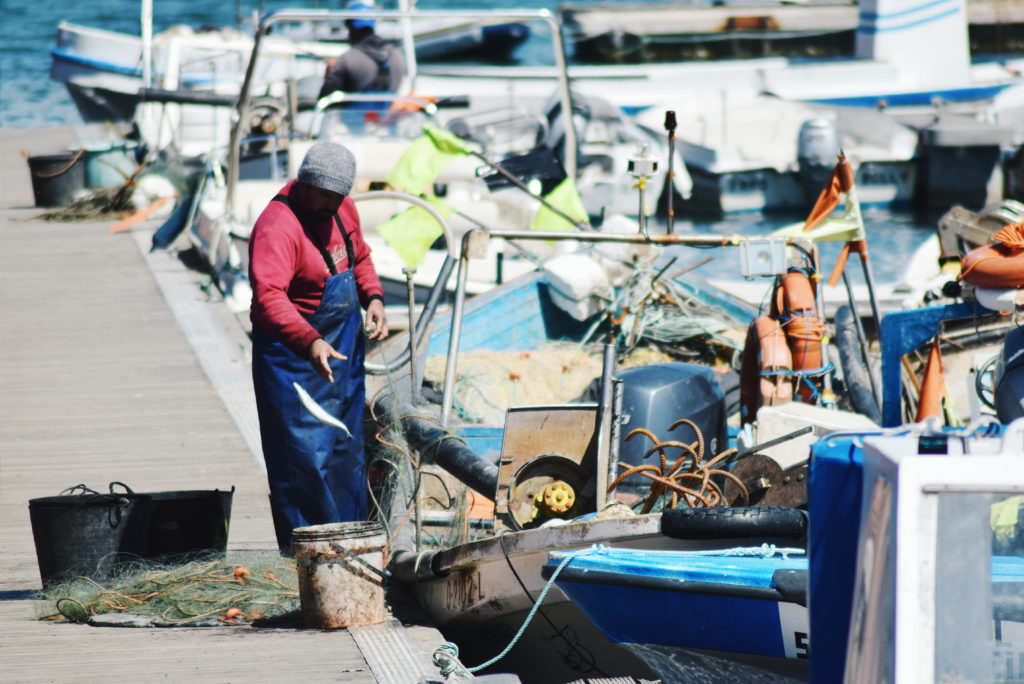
x=490 y=16
x=419 y=331
x=474 y=246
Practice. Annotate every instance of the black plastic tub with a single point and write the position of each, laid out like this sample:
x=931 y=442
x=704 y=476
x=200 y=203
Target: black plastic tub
x=95 y=535
x=91 y=535
x=189 y=521
x=57 y=178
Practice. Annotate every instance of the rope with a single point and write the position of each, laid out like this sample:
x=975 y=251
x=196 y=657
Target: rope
x=71 y=163
x=763 y=551
x=446 y=656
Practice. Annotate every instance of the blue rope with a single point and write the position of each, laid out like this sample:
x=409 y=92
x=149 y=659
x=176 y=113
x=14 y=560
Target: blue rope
x=446 y=656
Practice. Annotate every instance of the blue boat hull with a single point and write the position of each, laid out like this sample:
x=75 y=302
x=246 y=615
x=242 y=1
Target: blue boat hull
x=694 y=617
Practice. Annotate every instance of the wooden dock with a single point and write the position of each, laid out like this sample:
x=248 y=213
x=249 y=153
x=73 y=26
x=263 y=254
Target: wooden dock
x=101 y=382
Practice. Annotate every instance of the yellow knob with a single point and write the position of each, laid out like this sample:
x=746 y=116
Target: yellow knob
x=559 y=497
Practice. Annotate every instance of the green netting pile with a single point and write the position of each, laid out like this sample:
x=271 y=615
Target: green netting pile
x=198 y=592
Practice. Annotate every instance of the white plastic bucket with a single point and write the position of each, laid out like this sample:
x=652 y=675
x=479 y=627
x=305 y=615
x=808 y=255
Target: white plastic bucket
x=335 y=590
x=108 y=165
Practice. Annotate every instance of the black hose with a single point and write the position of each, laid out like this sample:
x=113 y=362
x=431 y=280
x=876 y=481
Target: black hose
x=440 y=446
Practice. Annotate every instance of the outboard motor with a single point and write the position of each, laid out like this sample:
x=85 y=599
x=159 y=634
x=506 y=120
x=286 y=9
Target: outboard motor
x=654 y=397
x=816 y=149
x=1008 y=379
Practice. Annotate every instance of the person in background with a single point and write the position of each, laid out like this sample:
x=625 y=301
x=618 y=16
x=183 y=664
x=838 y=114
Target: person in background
x=311 y=273
x=371 y=64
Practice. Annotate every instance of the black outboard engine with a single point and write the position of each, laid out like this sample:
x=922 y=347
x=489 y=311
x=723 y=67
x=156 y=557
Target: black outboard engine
x=654 y=397
x=1008 y=379
x=816 y=149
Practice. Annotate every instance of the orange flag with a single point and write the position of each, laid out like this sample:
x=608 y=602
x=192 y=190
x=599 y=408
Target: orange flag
x=839 y=182
x=933 y=387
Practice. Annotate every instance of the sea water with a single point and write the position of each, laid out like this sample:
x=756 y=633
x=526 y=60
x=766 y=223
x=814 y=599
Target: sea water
x=28 y=98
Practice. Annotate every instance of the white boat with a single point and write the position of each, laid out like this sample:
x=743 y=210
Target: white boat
x=759 y=153
x=643 y=31
x=108 y=75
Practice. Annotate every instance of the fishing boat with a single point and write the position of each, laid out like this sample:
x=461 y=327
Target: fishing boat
x=644 y=31
x=108 y=74
x=545 y=465
x=498 y=164
x=889 y=592
x=913 y=85
x=760 y=153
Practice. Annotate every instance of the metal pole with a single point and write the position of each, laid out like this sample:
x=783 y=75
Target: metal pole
x=450 y=365
x=522 y=186
x=411 y=288
x=616 y=433
x=605 y=405
x=670 y=126
x=869 y=278
x=146 y=33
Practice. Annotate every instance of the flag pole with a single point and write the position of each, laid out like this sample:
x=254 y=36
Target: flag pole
x=522 y=186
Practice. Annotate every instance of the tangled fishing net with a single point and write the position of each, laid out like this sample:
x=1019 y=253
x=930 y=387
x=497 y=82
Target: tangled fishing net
x=101 y=204
x=203 y=591
x=418 y=503
x=488 y=382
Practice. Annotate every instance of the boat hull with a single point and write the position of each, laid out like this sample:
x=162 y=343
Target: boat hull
x=483 y=590
x=880 y=184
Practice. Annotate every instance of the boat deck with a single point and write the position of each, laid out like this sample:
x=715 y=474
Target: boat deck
x=102 y=359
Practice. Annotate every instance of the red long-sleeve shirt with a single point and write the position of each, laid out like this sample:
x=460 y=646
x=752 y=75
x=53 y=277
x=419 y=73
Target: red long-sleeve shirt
x=288 y=273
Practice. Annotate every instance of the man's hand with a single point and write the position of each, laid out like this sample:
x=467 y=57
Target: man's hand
x=320 y=352
x=376 y=325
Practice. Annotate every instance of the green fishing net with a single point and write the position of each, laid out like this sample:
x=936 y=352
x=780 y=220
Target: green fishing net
x=201 y=591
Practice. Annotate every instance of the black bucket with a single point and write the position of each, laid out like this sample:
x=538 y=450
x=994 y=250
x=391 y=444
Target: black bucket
x=189 y=521
x=95 y=535
x=88 y=534
x=57 y=178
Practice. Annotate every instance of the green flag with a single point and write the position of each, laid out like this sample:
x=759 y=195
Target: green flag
x=411 y=232
x=426 y=157
x=566 y=198
x=446 y=141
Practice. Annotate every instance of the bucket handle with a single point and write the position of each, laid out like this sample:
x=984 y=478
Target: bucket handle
x=384 y=574
x=79 y=488
x=127 y=489
x=71 y=163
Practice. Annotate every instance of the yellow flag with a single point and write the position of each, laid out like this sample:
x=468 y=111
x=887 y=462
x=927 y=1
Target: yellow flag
x=424 y=159
x=566 y=198
x=411 y=232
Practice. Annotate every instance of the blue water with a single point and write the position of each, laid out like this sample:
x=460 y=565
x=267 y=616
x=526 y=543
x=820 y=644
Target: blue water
x=28 y=98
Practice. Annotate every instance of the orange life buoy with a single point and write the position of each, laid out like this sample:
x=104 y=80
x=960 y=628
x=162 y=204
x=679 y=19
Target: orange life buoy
x=793 y=303
x=999 y=265
x=994 y=265
x=765 y=371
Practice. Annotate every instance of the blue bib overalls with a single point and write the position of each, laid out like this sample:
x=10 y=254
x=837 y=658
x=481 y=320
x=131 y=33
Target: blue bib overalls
x=317 y=473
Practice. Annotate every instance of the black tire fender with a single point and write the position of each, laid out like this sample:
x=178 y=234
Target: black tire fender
x=734 y=522
x=855 y=373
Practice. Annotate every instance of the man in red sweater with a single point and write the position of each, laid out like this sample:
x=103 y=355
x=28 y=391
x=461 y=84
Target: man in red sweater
x=311 y=275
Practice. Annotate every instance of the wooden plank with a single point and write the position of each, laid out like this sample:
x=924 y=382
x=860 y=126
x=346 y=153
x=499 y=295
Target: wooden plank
x=100 y=384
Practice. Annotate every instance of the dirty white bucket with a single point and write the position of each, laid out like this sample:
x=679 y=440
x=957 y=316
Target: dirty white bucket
x=335 y=590
x=109 y=165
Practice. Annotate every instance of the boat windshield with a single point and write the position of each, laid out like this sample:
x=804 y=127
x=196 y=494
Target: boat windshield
x=979 y=587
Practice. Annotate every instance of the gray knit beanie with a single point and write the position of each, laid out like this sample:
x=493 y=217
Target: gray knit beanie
x=329 y=166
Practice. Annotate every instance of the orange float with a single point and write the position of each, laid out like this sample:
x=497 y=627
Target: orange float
x=793 y=303
x=933 y=387
x=765 y=371
x=999 y=265
x=781 y=346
